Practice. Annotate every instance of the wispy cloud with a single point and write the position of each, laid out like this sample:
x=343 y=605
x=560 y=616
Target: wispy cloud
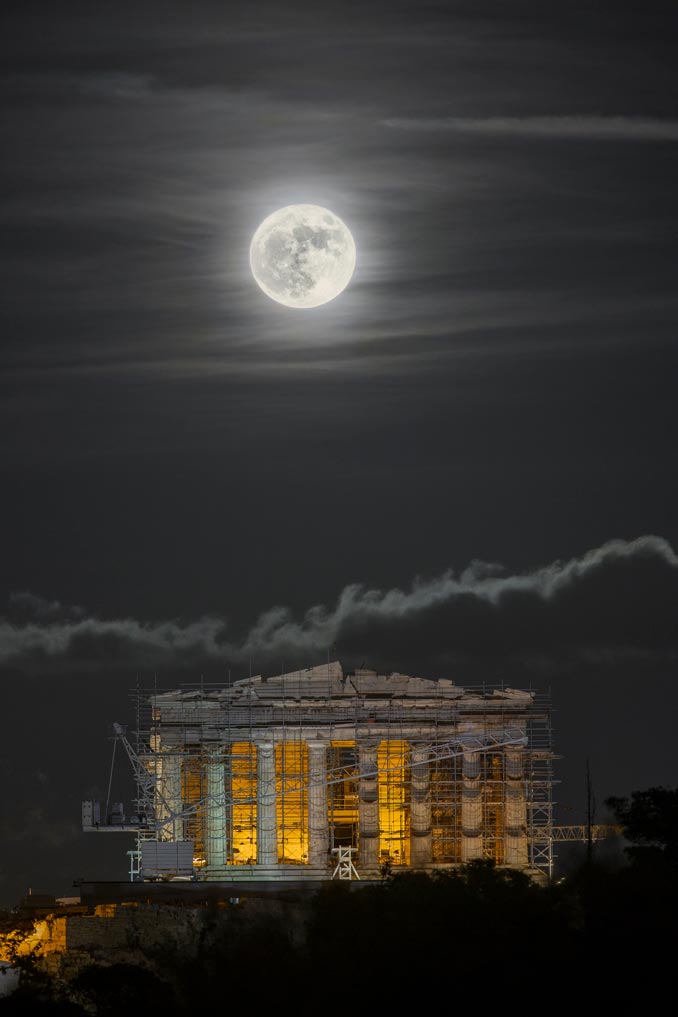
x=615 y=599
x=595 y=128
x=119 y=85
x=29 y=607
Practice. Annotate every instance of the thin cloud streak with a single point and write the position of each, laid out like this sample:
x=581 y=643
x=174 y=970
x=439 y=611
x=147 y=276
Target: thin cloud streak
x=615 y=599
x=589 y=128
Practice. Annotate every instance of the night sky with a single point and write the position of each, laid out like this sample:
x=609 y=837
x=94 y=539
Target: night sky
x=464 y=466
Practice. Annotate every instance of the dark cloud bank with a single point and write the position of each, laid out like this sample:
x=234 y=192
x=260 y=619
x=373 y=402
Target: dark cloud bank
x=614 y=603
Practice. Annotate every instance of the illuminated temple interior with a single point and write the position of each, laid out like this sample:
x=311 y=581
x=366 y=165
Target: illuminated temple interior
x=272 y=776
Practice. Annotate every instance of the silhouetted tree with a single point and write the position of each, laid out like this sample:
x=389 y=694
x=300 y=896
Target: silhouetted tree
x=649 y=820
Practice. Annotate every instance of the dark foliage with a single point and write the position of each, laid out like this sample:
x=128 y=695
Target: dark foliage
x=124 y=988
x=649 y=820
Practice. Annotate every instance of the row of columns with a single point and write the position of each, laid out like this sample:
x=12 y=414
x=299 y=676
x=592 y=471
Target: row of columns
x=515 y=809
x=318 y=829
x=368 y=806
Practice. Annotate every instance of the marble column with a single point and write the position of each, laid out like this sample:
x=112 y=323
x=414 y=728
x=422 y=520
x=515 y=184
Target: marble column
x=471 y=809
x=515 y=819
x=368 y=806
x=420 y=808
x=318 y=827
x=267 y=840
x=215 y=832
x=171 y=791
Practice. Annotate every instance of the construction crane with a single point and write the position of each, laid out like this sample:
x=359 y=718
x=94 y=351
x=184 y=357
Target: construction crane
x=581 y=833
x=148 y=793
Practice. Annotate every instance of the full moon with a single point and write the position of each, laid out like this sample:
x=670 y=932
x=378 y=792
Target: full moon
x=302 y=255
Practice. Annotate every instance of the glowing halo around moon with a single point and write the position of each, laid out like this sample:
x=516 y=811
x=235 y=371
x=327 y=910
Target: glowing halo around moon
x=302 y=255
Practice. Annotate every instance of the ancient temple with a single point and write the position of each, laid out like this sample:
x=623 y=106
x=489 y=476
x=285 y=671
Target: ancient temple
x=284 y=777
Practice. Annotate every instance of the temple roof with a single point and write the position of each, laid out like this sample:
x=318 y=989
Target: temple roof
x=328 y=681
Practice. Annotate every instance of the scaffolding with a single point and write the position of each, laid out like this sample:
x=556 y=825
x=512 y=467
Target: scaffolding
x=272 y=778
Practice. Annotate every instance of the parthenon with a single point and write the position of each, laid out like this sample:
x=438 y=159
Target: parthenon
x=269 y=778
